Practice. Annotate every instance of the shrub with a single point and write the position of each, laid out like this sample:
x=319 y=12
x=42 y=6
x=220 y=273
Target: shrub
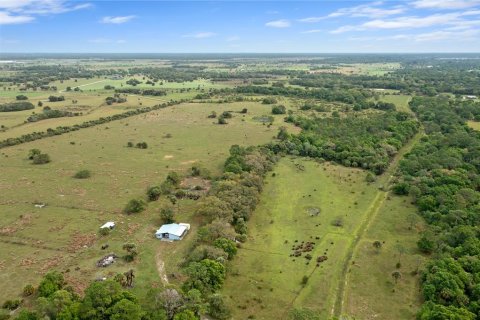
x=153 y=193
x=104 y=231
x=221 y=120
x=33 y=152
x=28 y=290
x=142 y=145
x=212 y=115
x=26 y=315
x=370 y=178
x=135 y=206
x=82 y=174
x=269 y=101
x=21 y=97
x=41 y=158
x=227 y=115
x=130 y=144
x=51 y=282
x=226 y=245
x=304 y=280
x=280 y=109
x=11 y=304
x=174 y=178
x=132 y=252
x=167 y=214
x=217 y=307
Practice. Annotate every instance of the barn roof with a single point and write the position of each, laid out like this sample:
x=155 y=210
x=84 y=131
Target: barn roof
x=172 y=228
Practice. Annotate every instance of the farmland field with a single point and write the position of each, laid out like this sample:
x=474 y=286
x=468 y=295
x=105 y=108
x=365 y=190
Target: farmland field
x=79 y=207
x=264 y=267
x=315 y=186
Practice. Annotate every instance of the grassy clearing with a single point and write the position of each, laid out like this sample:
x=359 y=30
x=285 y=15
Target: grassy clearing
x=77 y=207
x=372 y=292
x=474 y=125
x=401 y=101
x=264 y=281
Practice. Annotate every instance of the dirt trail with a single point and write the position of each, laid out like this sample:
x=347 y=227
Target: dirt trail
x=83 y=85
x=161 y=268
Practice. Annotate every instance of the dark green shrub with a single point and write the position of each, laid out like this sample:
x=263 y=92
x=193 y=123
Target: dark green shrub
x=153 y=193
x=28 y=290
x=135 y=206
x=11 y=304
x=41 y=158
x=104 y=231
x=280 y=109
x=82 y=174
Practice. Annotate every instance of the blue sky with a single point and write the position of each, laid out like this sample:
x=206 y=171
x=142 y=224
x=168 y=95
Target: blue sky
x=235 y=26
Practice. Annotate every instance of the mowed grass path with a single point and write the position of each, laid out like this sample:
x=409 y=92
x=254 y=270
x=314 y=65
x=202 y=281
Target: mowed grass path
x=264 y=280
x=63 y=235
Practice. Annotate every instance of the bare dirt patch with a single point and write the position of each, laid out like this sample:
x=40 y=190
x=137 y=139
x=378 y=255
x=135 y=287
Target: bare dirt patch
x=161 y=268
x=168 y=156
x=192 y=182
x=80 y=241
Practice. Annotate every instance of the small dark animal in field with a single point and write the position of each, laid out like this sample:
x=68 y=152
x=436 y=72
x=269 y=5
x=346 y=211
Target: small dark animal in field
x=105 y=246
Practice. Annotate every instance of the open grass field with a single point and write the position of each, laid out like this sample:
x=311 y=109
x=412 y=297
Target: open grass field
x=474 y=124
x=90 y=102
x=63 y=235
x=264 y=280
x=264 y=267
x=372 y=69
x=400 y=100
x=372 y=292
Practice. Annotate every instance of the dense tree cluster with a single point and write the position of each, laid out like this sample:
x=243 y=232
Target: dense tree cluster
x=354 y=141
x=56 y=98
x=442 y=175
x=48 y=113
x=143 y=92
x=16 y=106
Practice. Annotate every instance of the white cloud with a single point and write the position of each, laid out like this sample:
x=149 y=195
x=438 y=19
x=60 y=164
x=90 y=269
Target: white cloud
x=439 y=35
x=411 y=22
x=364 y=10
x=312 y=31
x=24 y=11
x=6 y=18
x=233 y=38
x=41 y=7
x=278 y=24
x=443 y=35
x=117 y=20
x=200 y=35
x=445 y=4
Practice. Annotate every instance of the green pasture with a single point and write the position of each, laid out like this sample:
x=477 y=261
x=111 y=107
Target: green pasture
x=79 y=207
x=264 y=280
x=372 y=292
